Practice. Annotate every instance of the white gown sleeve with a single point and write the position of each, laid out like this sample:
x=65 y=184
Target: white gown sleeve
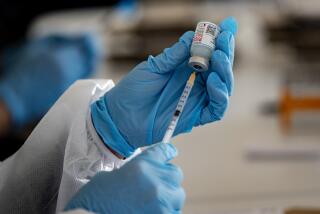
x=62 y=153
x=77 y=211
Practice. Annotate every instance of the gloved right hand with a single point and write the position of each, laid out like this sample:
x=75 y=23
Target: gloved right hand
x=36 y=74
x=147 y=184
x=138 y=110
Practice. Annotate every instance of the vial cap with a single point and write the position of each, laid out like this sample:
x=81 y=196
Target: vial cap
x=198 y=63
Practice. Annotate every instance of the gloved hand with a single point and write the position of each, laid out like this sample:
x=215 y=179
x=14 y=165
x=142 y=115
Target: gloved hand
x=39 y=72
x=138 y=110
x=146 y=184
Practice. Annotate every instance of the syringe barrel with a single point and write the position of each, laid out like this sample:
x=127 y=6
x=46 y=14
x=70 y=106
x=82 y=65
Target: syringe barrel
x=176 y=116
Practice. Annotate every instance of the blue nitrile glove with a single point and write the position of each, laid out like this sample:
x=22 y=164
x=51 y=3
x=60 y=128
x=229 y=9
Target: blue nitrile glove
x=147 y=184
x=138 y=110
x=39 y=72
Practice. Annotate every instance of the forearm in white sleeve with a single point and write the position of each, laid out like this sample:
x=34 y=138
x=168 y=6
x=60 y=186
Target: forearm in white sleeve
x=34 y=177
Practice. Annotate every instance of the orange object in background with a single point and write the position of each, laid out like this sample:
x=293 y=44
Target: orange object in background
x=290 y=104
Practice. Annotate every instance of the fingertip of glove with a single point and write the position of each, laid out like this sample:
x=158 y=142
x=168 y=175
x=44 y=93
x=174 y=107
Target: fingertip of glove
x=172 y=150
x=225 y=37
x=214 y=80
x=161 y=152
x=167 y=150
x=230 y=24
x=172 y=57
x=218 y=57
x=225 y=42
x=219 y=90
x=221 y=64
x=186 y=38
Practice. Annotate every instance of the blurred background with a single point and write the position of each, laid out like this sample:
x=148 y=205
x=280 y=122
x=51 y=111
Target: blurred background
x=264 y=156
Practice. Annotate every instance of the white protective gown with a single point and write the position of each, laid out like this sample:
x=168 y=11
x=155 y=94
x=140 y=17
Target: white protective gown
x=62 y=153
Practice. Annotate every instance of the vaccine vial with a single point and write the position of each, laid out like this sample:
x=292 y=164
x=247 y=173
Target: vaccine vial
x=202 y=45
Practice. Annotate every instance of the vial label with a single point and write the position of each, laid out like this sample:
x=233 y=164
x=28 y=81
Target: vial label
x=205 y=34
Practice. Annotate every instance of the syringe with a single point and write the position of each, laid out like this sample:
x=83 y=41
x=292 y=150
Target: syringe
x=182 y=102
x=203 y=44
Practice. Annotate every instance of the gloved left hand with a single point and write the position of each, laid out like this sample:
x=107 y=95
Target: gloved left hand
x=146 y=184
x=137 y=111
x=39 y=72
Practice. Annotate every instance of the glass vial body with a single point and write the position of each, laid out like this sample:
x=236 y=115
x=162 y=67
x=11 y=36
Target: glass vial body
x=202 y=45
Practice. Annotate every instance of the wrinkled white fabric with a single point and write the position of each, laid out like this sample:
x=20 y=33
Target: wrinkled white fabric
x=77 y=211
x=60 y=155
